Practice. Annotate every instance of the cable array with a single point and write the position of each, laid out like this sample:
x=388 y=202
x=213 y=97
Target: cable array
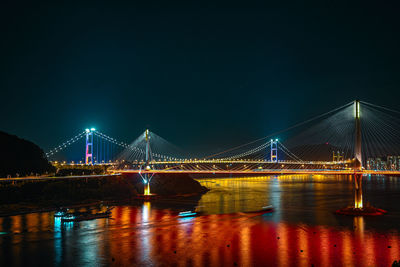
x=159 y=149
x=65 y=144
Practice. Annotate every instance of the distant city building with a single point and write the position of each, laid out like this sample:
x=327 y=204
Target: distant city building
x=392 y=163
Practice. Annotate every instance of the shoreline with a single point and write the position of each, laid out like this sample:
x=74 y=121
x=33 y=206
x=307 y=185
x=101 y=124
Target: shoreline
x=27 y=208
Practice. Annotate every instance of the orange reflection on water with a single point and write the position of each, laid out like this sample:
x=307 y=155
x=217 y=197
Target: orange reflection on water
x=303 y=245
x=347 y=247
x=282 y=244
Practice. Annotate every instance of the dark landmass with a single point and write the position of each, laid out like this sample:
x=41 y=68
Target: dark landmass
x=171 y=184
x=72 y=170
x=30 y=196
x=21 y=157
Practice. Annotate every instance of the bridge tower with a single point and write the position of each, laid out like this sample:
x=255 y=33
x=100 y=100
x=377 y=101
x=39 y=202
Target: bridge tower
x=274 y=150
x=358 y=201
x=89 y=146
x=146 y=178
x=357 y=147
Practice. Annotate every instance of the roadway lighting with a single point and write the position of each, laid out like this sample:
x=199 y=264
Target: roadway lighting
x=92 y=129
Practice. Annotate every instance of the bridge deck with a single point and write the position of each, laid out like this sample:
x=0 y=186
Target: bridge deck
x=266 y=172
x=276 y=171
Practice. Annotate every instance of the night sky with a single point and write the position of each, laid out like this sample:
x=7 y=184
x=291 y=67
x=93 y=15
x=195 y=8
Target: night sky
x=204 y=77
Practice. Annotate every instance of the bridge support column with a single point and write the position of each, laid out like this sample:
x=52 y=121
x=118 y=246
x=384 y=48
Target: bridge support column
x=89 y=147
x=357 y=147
x=146 y=177
x=358 y=201
x=147 y=189
x=274 y=150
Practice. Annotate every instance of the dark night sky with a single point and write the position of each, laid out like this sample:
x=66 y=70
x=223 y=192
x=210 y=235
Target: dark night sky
x=202 y=76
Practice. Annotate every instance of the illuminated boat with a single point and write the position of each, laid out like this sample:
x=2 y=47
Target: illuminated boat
x=71 y=217
x=189 y=213
x=60 y=212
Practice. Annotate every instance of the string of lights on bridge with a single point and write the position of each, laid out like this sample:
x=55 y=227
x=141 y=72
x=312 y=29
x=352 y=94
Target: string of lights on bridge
x=107 y=138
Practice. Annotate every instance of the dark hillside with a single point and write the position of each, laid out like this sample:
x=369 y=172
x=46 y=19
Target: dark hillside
x=19 y=156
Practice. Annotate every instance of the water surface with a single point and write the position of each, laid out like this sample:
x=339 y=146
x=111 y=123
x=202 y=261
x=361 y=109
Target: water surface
x=302 y=231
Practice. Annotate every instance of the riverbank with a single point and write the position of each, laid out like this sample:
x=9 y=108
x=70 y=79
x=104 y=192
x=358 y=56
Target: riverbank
x=41 y=196
x=160 y=201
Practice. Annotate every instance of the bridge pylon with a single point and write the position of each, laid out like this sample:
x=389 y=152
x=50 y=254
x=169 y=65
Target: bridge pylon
x=89 y=146
x=274 y=150
x=147 y=177
x=357 y=147
x=358 y=199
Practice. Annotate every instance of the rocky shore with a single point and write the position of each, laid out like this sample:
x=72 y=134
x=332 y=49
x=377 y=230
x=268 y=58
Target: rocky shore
x=168 y=185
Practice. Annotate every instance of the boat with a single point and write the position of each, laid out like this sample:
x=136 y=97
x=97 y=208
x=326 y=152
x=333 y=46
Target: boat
x=61 y=212
x=189 y=213
x=64 y=211
x=265 y=209
x=85 y=217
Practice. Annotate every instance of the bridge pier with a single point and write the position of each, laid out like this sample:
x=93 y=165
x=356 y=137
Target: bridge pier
x=146 y=186
x=146 y=178
x=358 y=200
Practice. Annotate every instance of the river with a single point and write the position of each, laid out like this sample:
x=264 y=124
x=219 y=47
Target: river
x=302 y=231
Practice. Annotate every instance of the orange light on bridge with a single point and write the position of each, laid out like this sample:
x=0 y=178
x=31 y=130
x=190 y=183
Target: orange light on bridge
x=147 y=189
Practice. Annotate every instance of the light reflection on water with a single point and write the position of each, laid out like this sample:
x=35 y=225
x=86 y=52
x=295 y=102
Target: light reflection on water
x=302 y=231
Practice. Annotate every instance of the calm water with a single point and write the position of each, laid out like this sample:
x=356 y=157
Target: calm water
x=301 y=232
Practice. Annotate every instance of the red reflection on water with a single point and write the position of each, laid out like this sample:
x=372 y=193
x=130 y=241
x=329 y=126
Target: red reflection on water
x=146 y=236
x=162 y=238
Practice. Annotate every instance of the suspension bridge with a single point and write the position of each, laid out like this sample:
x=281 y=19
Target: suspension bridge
x=354 y=139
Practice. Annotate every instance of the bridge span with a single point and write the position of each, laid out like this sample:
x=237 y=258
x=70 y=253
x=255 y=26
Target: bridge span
x=262 y=171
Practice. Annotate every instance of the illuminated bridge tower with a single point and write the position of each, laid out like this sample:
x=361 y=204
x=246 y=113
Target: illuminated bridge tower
x=146 y=177
x=274 y=150
x=358 y=202
x=89 y=146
